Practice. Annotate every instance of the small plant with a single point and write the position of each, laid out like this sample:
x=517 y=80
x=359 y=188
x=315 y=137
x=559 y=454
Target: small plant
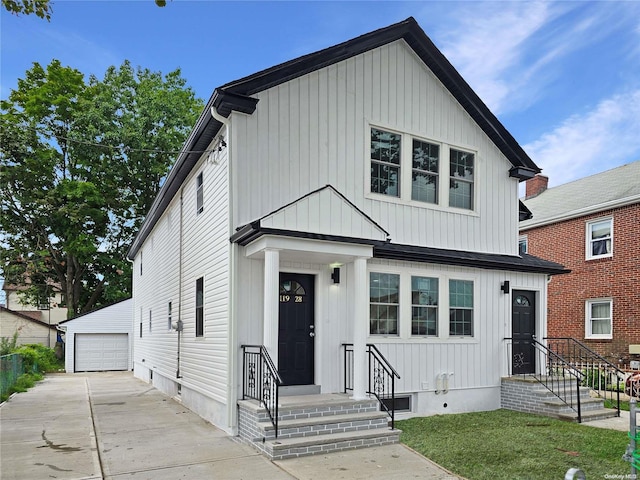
x=23 y=383
x=7 y=345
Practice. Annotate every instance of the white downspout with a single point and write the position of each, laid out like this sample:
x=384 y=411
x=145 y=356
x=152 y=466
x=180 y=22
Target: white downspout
x=232 y=374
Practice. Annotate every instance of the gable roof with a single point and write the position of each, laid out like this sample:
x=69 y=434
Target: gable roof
x=25 y=316
x=95 y=310
x=307 y=210
x=603 y=191
x=236 y=96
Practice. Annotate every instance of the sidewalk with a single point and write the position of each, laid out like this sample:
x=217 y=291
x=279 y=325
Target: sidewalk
x=113 y=426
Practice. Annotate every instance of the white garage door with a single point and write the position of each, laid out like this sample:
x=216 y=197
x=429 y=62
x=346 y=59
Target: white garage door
x=101 y=351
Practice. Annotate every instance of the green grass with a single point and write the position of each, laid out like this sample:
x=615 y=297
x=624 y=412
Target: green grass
x=510 y=445
x=23 y=383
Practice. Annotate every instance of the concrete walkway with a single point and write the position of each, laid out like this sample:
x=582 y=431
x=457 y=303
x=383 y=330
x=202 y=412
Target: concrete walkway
x=113 y=426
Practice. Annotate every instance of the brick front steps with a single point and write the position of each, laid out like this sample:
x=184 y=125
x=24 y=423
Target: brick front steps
x=311 y=424
x=526 y=394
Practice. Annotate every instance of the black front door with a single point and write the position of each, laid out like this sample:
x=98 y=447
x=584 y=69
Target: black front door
x=522 y=331
x=296 y=329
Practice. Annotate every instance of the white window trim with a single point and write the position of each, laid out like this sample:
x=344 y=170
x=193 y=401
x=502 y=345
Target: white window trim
x=587 y=319
x=404 y=318
x=587 y=247
x=525 y=239
x=406 y=167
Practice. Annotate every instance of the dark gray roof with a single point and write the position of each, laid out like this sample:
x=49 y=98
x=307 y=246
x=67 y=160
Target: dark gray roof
x=599 y=192
x=236 y=96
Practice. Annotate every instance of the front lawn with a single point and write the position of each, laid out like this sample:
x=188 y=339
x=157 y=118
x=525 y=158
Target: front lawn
x=510 y=445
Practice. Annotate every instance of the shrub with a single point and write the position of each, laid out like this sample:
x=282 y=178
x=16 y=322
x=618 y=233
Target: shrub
x=38 y=358
x=23 y=383
x=8 y=345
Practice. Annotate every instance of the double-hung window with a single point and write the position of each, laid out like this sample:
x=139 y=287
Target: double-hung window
x=461 y=179
x=199 y=194
x=384 y=299
x=424 y=306
x=424 y=175
x=169 y=316
x=598 y=318
x=523 y=244
x=461 y=308
x=599 y=238
x=200 y=307
x=385 y=162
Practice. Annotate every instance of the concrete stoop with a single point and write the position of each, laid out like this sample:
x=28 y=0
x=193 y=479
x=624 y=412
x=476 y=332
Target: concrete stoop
x=311 y=424
x=526 y=394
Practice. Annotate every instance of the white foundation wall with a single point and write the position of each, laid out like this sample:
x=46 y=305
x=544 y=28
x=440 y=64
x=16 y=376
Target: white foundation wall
x=184 y=246
x=315 y=130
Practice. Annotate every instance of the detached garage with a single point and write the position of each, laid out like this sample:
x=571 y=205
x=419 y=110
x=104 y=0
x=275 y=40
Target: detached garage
x=100 y=340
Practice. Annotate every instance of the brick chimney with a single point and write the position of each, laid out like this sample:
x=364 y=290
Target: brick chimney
x=535 y=186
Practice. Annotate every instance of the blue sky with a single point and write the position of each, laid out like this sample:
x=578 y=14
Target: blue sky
x=563 y=77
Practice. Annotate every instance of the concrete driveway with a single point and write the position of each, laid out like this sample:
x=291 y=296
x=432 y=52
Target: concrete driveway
x=113 y=426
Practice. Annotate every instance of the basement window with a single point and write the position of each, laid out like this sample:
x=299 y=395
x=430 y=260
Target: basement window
x=402 y=404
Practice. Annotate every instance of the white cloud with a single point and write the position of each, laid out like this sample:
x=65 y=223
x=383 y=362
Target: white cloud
x=582 y=145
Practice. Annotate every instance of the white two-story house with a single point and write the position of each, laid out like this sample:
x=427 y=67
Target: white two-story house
x=360 y=195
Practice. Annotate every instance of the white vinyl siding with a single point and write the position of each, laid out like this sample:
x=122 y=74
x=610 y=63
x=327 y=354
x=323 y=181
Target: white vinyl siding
x=175 y=258
x=316 y=130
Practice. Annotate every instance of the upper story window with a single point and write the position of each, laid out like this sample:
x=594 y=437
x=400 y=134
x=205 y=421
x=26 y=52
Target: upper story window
x=169 y=316
x=599 y=238
x=424 y=306
x=385 y=162
x=408 y=168
x=461 y=308
x=384 y=301
x=598 y=319
x=424 y=176
x=199 y=195
x=523 y=244
x=461 y=179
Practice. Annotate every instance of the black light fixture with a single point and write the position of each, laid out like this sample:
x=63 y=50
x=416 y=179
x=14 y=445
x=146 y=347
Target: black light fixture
x=335 y=276
x=505 y=286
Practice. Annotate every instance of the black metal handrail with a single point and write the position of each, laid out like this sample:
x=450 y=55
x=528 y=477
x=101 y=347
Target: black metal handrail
x=600 y=375
x=382 y=378
x=260 y=380
x=553 y=372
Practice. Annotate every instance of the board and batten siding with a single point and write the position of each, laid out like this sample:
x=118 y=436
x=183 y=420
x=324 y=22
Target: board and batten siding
x=478 y=361
x=315 y=130
x=205 y=254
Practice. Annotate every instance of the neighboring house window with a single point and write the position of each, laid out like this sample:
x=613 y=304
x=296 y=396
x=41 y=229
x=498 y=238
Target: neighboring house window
x=384 y=303
x=385 y=162
x=598 y=321
x=461 y=179
x=169 y=316
x=523 y=244
x=424 y=306
x=461 y=308
x=599 y=238
x=424 y=176
x=199 y=195
x=200 y=307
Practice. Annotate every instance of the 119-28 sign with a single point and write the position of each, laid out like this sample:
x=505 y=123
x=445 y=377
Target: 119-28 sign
x=295 y=298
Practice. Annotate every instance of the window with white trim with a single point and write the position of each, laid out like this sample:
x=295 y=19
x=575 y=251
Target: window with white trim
x=169 y=316
x=599 y=319
x=199 y=194
x=461 y=166
x=384 y=303
x=385 y=162
x=523 y=244
x=599 y=238
x=461 y=308
x=424 y=306
x=409 y=168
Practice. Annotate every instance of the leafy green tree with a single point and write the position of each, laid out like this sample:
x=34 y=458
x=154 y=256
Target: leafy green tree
x=42 y=8
x=80 y=165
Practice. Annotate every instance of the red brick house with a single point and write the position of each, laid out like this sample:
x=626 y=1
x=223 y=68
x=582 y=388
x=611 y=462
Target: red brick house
x=591 y=226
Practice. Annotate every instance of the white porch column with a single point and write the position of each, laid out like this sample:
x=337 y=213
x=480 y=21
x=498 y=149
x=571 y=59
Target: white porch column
x=271 y=305
x=360 y=328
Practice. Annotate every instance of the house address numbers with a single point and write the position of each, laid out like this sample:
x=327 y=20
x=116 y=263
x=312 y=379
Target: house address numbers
x=288 y=298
